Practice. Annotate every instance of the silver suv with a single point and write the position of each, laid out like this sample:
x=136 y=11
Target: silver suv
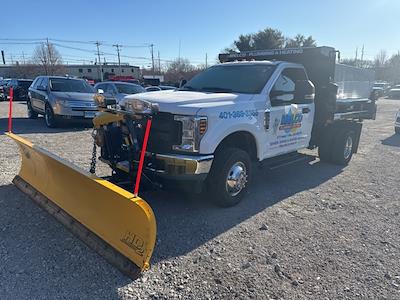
x=58 y=98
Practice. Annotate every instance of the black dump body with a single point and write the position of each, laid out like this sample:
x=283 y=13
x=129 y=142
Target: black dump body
x=320 y=64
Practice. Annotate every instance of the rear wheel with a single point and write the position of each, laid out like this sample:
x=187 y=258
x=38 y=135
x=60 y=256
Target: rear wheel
x=342 y=150
x=31 y=113
x=229 y=177
x=49 y=117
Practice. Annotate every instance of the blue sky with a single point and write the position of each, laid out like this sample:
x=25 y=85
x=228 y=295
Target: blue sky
x=202 y=26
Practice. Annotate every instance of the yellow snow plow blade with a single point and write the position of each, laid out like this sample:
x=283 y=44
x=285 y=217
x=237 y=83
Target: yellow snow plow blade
x=118 y=225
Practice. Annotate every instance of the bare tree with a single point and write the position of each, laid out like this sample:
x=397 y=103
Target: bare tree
x=47 y=56
x=381 y=58
x=180 y=69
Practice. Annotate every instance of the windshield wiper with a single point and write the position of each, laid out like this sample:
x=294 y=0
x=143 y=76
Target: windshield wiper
x=216 y=89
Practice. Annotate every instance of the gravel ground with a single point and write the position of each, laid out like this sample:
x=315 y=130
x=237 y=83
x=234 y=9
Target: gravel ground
x=306 y=231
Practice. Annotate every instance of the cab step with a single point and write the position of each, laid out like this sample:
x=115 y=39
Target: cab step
x=284 y=160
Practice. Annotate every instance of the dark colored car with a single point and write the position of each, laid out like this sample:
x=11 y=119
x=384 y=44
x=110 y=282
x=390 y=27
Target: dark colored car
x=3 y=84
x=20 y=87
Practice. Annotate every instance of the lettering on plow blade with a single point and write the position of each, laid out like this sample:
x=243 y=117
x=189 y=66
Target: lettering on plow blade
x=134 y=242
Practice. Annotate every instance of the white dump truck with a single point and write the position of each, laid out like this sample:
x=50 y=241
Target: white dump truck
x=259 y=106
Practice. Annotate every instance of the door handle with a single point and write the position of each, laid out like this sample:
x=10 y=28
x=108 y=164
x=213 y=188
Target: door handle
x=305 y=110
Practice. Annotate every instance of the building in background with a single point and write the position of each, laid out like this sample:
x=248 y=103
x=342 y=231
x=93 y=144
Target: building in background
x=109 y=70
x=88 y=71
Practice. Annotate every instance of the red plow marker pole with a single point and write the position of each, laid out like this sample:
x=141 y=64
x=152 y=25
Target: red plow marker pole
x=142 y=153
x=10 y=110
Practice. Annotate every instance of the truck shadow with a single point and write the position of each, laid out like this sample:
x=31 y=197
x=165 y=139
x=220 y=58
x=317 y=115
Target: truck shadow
x=393 y=140
x=27 y=126
x=41 y=259
x=185 y=222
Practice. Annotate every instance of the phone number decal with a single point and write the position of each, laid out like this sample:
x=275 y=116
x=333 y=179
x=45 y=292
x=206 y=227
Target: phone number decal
x=238 y=114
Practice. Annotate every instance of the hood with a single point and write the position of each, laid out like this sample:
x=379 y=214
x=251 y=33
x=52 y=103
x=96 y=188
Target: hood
x=74 y=96
x=187 y=102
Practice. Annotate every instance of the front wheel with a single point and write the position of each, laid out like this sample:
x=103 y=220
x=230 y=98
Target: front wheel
x=49 y=117
x=229 y=177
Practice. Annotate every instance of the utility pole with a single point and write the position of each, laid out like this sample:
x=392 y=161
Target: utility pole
x=159 y=63
x=179 y=51
x=97 y=43
x=206 y=61
x=119 y=59
x=152 y=57
x=355 y=60
x=49 y=58
x=23 y=57
x=362 y=55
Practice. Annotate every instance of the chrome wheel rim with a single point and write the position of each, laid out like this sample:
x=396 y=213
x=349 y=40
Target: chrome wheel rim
x=236 y=179
x=348 y=147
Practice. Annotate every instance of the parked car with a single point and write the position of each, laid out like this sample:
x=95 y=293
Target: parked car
x=118 y=89
x=167 y=87
x=153 y=88
x=3 y=84
x=394 y=92
x=380 y=89
x=20 y=87
x=58 y=97
x=397 y=123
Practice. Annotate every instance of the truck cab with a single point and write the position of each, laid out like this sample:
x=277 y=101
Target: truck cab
x=254 y=107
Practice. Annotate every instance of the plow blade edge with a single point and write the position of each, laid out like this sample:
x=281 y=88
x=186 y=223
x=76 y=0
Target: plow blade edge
x=118 y=225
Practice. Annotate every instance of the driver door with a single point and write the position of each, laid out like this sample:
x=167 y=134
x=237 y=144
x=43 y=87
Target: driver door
x=290 y=117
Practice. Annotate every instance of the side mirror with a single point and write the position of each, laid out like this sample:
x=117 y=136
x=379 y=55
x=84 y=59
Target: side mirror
x=305 y=92
x=100 y=91
x=280 y=97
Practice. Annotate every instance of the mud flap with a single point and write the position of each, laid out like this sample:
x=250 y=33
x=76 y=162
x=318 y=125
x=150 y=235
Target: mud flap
x=117 y=224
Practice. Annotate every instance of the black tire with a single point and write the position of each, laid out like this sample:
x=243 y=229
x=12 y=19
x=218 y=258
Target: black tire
x=397 y=130
x=217 y=181
x=49 y=117
x=324 y=152
x=31 y=113
x=343 y=147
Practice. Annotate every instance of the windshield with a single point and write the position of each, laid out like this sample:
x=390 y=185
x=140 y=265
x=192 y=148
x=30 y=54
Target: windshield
x=129 y=88
x=246 y=79
x=70 y=85
x=25 y=83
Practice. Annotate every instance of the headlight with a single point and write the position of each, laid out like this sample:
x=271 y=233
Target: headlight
x=193 y=130
x=99 y=99
x=138 y=106
x=62 y=102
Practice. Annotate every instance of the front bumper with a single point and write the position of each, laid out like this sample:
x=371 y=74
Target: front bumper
x=86 y=112
x=173 y=166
